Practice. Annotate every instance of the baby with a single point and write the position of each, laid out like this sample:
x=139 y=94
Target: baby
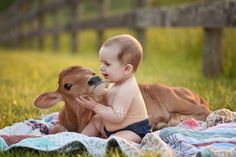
x=125 y=113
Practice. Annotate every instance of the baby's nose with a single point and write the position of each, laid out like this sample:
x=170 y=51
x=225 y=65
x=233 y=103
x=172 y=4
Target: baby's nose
x=101 y=68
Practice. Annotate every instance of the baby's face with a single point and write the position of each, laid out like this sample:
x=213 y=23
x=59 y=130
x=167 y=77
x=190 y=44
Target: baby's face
x=110 y=67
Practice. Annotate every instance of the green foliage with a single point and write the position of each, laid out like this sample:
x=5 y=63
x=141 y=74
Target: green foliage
x=229 y=50
x=4 y=4
x=34 y=153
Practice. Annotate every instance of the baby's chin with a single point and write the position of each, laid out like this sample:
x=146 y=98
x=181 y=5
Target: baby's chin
x=108 y=81
x=100 y=90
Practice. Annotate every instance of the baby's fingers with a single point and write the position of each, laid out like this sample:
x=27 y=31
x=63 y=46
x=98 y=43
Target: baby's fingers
x=80 y=100
x=90 y=99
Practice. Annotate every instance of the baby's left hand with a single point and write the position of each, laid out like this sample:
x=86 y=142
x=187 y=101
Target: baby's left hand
x=87 y=101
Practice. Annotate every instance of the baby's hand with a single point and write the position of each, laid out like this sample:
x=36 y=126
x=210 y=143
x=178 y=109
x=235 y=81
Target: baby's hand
x=87 y=101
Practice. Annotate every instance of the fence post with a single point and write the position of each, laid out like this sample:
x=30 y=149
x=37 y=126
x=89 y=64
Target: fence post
x=10 y=28
x=140 y=32
x=213 y=52
x=55 y=34
x=30 y=23
x=73 y=6
x=102 y=4
x=15 y=25
x=40 y=26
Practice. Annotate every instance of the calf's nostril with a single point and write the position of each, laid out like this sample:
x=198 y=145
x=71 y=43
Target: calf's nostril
x=90 y=82
x=94 y=80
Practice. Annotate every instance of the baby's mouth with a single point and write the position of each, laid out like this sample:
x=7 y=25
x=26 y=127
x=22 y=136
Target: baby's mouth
x=105 y=75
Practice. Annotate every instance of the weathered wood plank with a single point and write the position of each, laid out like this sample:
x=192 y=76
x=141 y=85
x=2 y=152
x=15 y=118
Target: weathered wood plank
x=218 y=13
x=122 y=20
x=213 y=15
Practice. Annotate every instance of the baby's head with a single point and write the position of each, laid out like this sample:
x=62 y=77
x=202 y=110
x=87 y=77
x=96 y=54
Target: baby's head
x=128 y=50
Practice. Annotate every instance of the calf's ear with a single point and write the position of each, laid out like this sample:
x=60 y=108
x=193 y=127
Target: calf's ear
x=47 y=100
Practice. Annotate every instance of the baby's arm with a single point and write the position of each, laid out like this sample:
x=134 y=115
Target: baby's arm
x=114 y=113
x=119 y=107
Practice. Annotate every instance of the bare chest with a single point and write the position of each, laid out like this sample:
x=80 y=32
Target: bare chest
x=111 y=95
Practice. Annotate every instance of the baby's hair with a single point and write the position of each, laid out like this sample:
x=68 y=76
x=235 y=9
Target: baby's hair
x=130 y=50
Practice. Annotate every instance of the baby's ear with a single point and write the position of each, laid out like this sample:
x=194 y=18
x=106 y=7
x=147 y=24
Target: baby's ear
x=128 y=68
x=47 y=100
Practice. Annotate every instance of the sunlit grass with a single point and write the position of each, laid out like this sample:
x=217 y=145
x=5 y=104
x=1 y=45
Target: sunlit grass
x=172 y=57
x=19 y=152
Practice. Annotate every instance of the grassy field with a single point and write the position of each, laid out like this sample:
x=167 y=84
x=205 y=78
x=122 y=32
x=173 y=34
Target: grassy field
x=172 y=56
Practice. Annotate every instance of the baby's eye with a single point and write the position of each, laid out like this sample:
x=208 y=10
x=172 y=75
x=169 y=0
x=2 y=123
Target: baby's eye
x=107 y=64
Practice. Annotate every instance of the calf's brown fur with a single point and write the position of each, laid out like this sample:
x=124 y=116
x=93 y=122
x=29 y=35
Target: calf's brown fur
x=166 y=106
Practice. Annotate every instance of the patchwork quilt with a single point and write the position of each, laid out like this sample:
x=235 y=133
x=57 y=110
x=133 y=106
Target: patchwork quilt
x=215 y=137
x=35 y=134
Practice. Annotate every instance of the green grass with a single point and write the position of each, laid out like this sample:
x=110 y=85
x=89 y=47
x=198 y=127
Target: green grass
x=172 y=56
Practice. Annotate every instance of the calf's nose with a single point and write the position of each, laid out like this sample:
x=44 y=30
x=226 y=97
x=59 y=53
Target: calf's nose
x=94 y=80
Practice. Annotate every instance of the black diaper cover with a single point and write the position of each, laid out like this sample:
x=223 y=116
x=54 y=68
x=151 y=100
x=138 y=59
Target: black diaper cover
x=141 y=128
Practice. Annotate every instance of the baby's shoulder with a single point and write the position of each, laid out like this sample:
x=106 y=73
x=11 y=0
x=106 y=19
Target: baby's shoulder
x=130 y=87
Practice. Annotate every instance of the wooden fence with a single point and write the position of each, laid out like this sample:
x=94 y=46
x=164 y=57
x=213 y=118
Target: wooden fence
x=212 y=15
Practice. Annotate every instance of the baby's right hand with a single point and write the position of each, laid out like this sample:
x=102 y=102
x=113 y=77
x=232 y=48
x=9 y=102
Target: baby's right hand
x=87 y=102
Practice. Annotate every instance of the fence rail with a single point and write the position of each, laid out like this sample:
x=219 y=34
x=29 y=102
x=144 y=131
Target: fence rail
x=211 y=15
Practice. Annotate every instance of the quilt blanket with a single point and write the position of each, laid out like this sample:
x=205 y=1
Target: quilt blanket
x=69 y=142
x=219 y=140
x=216 y=137
x=35 y=134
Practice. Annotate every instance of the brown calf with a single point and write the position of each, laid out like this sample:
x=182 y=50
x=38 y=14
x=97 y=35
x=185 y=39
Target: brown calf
x=166 y=106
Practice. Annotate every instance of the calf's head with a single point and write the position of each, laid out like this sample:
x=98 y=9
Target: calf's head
x=73 y=82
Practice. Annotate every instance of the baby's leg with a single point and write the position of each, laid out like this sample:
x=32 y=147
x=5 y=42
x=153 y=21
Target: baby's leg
x=93 y=128
x=128 y=135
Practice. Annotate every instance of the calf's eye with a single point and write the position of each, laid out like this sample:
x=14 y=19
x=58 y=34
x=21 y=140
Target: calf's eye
x=67 y=86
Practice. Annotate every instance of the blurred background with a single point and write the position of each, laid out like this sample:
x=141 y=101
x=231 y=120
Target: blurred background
x=202 y=27
x=188 y=43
